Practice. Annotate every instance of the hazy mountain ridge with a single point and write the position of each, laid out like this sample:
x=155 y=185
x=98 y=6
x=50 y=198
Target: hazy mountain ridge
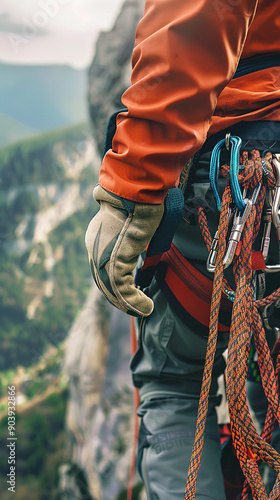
x=13 y=130
x=40 y=98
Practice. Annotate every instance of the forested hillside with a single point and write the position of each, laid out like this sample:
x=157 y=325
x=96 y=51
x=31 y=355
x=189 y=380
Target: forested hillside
x=46 y=203
x=45 y=191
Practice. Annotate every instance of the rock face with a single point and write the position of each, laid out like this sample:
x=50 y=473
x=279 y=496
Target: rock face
x=100 y=409
x=109 y=74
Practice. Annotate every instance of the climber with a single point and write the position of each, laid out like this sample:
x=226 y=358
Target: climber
x=200 y=70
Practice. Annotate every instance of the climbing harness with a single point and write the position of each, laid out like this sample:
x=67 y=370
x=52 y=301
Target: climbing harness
x=253 y=180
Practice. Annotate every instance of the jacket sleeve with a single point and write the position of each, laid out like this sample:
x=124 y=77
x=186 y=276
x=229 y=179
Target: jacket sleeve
x=186 y=51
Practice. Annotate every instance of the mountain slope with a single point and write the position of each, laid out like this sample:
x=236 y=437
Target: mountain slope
x=45 y=195
x=13 y=130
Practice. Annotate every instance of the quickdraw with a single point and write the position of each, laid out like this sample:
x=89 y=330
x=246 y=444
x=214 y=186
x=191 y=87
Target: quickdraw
x=257 y=177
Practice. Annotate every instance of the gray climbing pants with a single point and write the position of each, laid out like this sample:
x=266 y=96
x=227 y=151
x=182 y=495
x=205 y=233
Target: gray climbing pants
x=171 y=358
x=167 y=434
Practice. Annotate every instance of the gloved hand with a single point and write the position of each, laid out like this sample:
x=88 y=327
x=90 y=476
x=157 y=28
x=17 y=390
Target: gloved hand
x=115 y=238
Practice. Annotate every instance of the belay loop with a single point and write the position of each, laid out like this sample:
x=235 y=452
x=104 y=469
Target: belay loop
x=256 y=176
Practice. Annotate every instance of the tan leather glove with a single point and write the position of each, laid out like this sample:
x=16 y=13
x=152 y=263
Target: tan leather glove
x=115 y=238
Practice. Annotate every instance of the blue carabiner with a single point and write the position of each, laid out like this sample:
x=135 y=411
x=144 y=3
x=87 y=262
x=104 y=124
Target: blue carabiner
x=233 y=173
x=214 y=171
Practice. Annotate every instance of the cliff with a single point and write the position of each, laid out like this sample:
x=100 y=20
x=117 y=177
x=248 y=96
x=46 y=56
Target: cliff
x=100 y=406
x=109 y=73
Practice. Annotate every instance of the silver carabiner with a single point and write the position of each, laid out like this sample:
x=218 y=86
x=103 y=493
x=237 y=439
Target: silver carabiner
x=275 y=213
x=276 y=199
x=212 y=256
x=267 y=219
x=238 y=226
x=267 y=312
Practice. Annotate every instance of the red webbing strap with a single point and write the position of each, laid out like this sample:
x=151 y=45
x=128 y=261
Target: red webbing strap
x=188 y=272
x=195 y=305
x=133 y=340
x=151 y=261
x=257 y=261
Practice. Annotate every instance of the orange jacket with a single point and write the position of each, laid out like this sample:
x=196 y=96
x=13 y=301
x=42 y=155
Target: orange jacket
x=185 y=55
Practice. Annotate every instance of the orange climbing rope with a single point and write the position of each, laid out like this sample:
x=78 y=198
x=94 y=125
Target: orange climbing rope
x=251 y=448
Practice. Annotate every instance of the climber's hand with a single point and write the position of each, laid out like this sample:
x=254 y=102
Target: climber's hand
x=115 y=238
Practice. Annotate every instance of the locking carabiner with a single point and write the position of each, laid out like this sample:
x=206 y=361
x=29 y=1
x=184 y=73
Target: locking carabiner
x=214 y=171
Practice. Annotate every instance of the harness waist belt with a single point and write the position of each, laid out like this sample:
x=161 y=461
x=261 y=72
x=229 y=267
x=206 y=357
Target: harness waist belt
x=191 y=289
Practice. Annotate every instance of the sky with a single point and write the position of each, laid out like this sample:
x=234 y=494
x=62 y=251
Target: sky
x=53 y=31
